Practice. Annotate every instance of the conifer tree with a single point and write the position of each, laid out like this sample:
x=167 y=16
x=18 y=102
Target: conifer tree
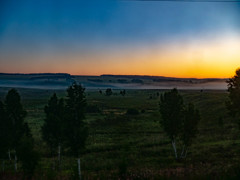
x=179 y=122
x=233 y=104
x=76 y=130
x=52 y=130
x=15 y=115
x=3 y=134
x=171 y=109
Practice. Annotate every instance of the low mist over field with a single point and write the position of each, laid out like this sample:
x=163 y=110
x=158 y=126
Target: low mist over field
x=63 y=80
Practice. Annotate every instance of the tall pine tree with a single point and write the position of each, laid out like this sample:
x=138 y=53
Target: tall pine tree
x=52 y=130
x=179 y=122
x=4 y=126
x=76 y=130
x=15 y=115
x=171 y=109
x=233 y=104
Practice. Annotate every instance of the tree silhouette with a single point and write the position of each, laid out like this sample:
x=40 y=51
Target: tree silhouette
x=52 y=130
x=178 y=121
x=15 y=115
x=171 y=109
x=4 y=135
x=123 y=92
x=108 y=92
x=233 y=104
x=75 y=128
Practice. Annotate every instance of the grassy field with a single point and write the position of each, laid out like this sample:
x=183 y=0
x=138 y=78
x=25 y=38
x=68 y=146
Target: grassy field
x=135 y=146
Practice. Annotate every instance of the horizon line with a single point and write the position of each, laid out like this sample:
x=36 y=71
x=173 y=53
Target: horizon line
x=1 y=73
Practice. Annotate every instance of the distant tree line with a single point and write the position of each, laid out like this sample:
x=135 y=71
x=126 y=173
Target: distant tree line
x=109 y=92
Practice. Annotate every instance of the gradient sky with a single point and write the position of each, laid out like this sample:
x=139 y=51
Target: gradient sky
x=177 y=39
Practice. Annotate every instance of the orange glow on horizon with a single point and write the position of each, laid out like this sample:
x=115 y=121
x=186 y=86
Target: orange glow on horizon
x=218 y=58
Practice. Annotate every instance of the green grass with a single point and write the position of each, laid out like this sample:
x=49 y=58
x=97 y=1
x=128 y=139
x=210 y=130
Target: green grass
x=136 y=143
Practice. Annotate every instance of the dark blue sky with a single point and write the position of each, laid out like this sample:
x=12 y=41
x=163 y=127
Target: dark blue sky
x=32 y=31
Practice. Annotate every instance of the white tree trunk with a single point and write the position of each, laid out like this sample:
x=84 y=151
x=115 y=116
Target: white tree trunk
x=174 y=148
x=79 y=168
x=15 y=162
x=9 y=155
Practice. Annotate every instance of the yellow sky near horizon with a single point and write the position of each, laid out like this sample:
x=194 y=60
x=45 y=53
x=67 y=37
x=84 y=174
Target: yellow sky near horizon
x=215 y=58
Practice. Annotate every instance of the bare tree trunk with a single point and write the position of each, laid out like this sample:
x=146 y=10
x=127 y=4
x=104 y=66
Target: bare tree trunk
x=79 y=168
x=174 y=148
x=9 y=155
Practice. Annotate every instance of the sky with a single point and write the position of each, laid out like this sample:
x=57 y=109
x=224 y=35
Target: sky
x=160 y=38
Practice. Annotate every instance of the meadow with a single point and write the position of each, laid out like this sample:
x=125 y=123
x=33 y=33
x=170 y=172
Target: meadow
x=126 y=140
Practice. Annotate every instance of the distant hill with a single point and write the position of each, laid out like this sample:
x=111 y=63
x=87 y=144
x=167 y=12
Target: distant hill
x=35 y=74
x=163 y=78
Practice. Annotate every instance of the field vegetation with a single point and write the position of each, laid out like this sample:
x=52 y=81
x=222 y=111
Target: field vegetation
x=127 y=141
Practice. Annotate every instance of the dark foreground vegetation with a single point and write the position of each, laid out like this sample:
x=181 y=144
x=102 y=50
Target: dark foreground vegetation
x=126 y=138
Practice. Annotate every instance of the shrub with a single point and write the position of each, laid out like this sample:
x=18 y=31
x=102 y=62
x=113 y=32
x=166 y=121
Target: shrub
x=108 y=91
